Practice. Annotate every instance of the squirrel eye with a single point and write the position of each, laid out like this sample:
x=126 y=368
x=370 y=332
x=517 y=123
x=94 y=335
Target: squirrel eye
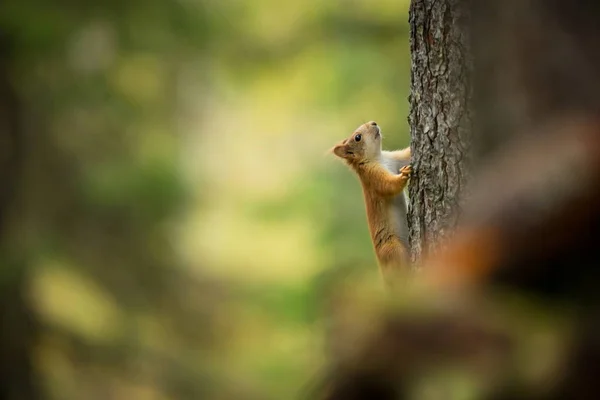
x=357 y=137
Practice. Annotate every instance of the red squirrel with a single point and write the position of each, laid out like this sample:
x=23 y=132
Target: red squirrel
x=383 y=175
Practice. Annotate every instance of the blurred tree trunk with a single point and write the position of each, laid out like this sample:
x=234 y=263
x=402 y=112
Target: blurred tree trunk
x=439 y=119
x=18 y=329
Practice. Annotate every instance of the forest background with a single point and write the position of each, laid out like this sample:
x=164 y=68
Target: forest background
x=179 y=228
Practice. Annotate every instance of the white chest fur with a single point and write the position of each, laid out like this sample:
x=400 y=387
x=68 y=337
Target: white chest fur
x=398 y=210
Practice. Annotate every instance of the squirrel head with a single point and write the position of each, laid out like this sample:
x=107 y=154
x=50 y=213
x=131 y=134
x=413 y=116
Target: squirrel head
x=363 y=145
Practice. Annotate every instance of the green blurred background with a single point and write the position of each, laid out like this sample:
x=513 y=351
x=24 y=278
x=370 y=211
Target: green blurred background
x=179 y=228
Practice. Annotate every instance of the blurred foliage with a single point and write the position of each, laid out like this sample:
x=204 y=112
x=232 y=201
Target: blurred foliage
x=178 y=218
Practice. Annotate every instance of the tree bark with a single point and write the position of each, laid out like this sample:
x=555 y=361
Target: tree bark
x=439 y=119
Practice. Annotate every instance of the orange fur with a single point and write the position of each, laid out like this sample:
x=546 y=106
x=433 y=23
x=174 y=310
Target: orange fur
x=380 y=188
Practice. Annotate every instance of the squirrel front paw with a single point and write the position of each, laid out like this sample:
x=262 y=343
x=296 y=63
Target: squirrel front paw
x=405 y=172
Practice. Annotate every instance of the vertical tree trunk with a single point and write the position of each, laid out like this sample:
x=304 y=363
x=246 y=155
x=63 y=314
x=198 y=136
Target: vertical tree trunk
x=18 y=334
x=439 y=119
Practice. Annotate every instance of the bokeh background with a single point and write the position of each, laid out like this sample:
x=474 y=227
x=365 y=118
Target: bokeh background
x=178 y=229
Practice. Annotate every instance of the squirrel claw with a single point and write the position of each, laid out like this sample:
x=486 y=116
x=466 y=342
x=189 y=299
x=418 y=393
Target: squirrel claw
x=405 y=171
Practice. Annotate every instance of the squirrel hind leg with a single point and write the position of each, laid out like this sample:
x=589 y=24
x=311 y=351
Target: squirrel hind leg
x=393 y=262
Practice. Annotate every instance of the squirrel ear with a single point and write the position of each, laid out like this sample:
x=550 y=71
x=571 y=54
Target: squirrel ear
x=341 y=150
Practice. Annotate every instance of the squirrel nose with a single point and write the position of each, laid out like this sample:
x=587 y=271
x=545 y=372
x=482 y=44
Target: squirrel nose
x=373 y=123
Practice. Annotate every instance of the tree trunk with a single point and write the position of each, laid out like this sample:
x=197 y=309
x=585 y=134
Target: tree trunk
x=19 y=329
x=439 y=119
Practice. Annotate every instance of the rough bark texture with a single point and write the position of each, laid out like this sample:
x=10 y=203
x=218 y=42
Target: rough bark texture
x=439 y=119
